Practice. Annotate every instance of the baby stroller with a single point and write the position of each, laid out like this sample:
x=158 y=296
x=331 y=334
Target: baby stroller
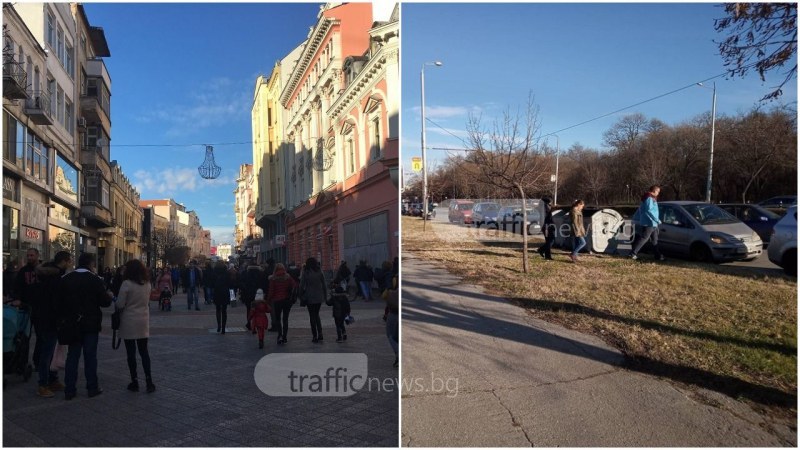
x=165 y=300
x=16 y=341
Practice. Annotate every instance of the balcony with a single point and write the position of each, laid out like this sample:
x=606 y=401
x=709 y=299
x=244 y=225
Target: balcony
x=96 y=109
x=15 y=80
x=97 y=214
x=131 y=234
x=96 y=157
x=37 y=107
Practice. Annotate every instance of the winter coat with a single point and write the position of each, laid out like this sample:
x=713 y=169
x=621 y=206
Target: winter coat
x=186 y=277
x=165 y=280
x=340 y=303
x=222 y=286
x=252 y=280
x=280 y=287
x=258 y=314
x=647 y=214
x=82 y=292
x=548 y=227
x=577 y=223
x=364 y=273
x=43 y=313
x=133 y=300
x=313 y=287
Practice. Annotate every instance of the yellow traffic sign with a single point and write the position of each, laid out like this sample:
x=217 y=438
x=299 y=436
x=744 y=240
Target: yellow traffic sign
x=416 y=164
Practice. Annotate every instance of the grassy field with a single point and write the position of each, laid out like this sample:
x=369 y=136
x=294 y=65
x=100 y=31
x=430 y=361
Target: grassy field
x=726 y=328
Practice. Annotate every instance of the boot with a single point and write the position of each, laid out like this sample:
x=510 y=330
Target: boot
x=260 y=343
x=150 y=386
x=134 y=385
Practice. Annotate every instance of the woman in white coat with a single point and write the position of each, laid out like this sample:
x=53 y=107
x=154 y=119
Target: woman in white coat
x=134 y=328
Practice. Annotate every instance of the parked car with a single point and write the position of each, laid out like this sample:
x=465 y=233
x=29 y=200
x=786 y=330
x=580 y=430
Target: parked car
x=758 y=218
x=460 y=211
x=485 y=213
x=509 y=218
x=782 y=202
x=705 y=232
x=416 y=210
x=782 y=248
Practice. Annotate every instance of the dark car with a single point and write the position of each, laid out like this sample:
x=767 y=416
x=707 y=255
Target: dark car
x=761 y=220
x=485 y=213
x=782 y=202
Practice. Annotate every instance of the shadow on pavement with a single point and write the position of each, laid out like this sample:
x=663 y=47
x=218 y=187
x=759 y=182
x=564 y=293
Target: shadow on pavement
x=425 y=310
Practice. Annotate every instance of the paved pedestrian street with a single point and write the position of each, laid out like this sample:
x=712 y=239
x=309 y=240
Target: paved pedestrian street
x=206 y=394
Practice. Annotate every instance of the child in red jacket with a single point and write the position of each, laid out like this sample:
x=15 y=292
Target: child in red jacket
x=258 y=316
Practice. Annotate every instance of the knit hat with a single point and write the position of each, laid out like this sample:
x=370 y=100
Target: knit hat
x=259 y=295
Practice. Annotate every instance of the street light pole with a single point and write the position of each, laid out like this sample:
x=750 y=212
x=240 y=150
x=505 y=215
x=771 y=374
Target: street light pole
x=558 y=153
x=424 y=152
x=713 y=123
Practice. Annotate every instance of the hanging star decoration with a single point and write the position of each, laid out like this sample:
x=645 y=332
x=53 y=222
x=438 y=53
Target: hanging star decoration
x=209 y=169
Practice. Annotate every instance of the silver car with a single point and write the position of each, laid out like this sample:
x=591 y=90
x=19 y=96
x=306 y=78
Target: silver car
x=782 y=248
x=705 y=232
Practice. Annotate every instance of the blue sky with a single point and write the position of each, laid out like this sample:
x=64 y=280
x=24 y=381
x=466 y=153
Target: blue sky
x=580 y=61
x=185 y=74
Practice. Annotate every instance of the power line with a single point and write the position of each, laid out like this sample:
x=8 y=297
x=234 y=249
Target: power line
x=585 y=121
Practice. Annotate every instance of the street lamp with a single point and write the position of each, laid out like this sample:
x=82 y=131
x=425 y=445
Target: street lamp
x=424 y=153
x=711 y=153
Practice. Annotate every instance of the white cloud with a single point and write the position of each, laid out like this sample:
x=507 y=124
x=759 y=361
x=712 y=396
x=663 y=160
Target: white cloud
x=434 y=112
x=171 y=180
x=221 y=234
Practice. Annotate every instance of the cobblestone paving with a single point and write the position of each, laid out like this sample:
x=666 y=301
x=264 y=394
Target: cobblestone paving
x=206 y=395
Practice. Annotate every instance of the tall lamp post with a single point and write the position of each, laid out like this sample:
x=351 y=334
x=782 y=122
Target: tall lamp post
x=555 y=190
x=711 y=153
x=424 y=153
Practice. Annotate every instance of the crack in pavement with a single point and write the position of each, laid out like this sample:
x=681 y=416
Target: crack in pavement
x=514 y=421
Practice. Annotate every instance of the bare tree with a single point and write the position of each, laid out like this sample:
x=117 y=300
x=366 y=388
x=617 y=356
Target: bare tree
x=509 y=156
x=763 y=35
x=168 y=246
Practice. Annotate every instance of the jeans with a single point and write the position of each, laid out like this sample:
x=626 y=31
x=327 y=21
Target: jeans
x=316 y=322
x=88 y=346
x=366 y=289
x=648 y=234
x=208 y=292
x=47 y=347
x=393 y=330
x=130 y=347
x=282 y=309
x=222 y=315
x=578 y=242
x=192 y=296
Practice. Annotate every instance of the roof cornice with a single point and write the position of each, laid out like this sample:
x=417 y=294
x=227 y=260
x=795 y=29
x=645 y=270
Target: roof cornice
x=315 y=38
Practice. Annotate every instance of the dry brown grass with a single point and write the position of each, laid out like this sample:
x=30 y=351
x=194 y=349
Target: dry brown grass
x=724 y=325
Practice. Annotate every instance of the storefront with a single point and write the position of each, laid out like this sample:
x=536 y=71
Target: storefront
x=33 y=223
x=11 y=225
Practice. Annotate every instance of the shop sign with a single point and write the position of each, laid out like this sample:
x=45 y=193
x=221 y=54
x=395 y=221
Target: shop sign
x=32 y=235
x=280 y=240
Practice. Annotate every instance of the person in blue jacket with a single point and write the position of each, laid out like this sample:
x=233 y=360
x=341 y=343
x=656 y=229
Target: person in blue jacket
x=647 y=218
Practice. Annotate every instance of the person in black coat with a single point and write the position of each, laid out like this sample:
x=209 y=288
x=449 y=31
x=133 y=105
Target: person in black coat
x=222 y=298
x=81 y=294
x=549 y=231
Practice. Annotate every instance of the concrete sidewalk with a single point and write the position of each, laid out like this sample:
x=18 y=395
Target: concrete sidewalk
x=479 y=371
x=206 y=394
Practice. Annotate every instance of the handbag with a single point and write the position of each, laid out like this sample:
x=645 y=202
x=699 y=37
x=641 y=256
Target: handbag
x=68 y=329
x=115 y=321
x=59 y=358
x=155 y=295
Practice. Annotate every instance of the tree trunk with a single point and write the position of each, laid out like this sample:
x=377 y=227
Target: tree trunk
x=524 y=229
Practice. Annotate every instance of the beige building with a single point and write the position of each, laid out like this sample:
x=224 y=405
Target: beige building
x=171 y=220
x=270 y=157
x=120 y=242
x=246 y=235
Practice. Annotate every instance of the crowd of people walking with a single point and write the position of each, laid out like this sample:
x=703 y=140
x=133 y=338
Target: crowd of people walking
x=66 y=306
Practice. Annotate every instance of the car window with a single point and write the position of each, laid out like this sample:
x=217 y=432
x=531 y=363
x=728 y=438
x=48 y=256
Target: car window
x=756 y=213
x=707 y=214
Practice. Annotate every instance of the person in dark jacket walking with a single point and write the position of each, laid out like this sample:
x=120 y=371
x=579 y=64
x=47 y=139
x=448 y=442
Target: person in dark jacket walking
x=26 y=289
x=222 y=297
x=364 y=276
x=81 y=295
x=341 y=309
x=279 y=296
x=43 y=317
x=549 y=231
x=192 y=280
x=251 y=282
x=208 y=289
x=314 y=291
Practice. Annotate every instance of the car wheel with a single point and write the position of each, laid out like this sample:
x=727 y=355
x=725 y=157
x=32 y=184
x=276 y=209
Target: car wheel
x=700 y=252
x=789 y=263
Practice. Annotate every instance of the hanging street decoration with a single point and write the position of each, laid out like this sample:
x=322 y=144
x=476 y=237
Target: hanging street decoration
x=209 y=169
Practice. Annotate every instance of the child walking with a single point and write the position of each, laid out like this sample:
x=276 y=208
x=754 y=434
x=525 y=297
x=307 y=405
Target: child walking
x=258 y=316
x=341 y=309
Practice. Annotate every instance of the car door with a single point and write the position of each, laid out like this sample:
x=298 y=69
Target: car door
x=675 y=231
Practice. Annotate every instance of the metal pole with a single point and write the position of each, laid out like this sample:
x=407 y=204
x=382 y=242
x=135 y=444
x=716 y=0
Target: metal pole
x=424 y=154
x=711 y=153
x=558 y=152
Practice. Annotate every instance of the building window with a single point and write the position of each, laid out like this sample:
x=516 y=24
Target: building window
x=68 y=115
x=351 y=155
x=51 y=30
x=9 y=138
x=69 y=61
x=60 y=49
x=51 y=91
x=376 y=137
x=29 y=153
x=105 y=200
x=20 y=144
x=60 y=107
